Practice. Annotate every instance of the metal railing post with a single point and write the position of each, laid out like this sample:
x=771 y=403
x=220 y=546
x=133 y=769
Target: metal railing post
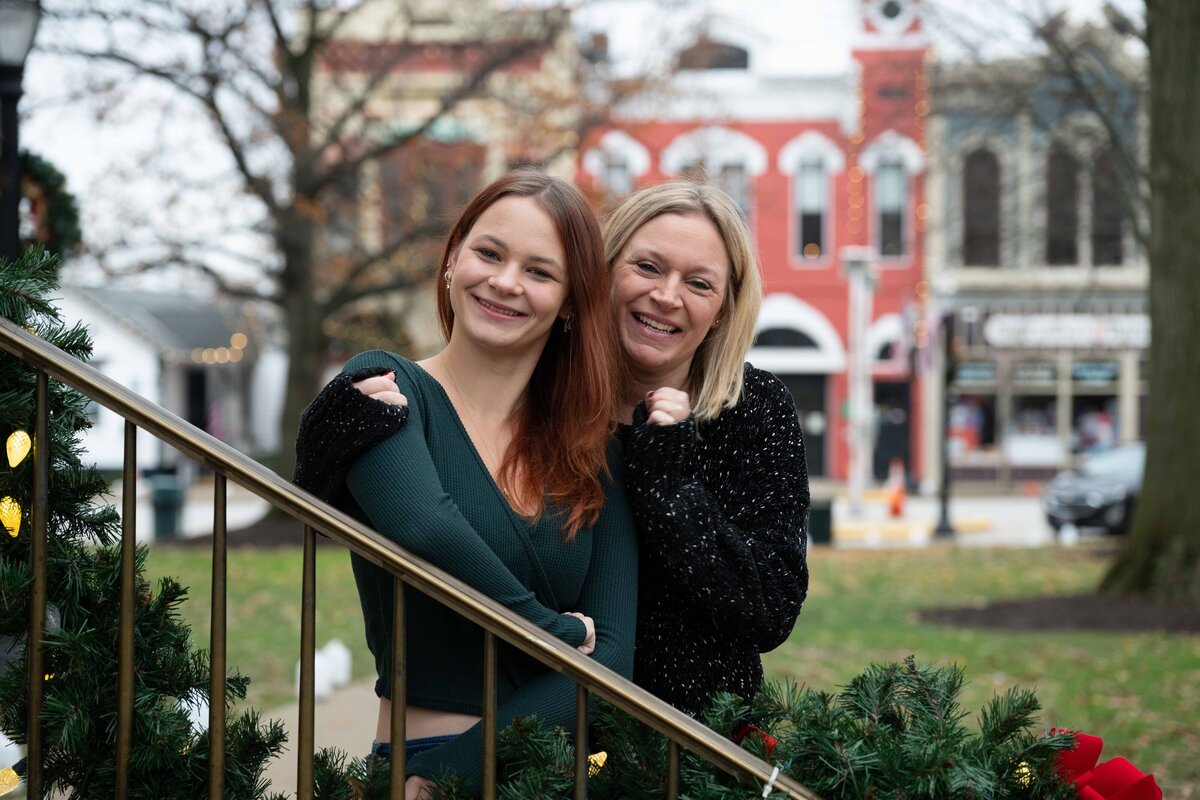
x=672 y=770
x=39 y=516
x=216 y=694
x=125 y=665
x=397 y=766
x=581 y=742
x=489 y=715
x=308 y=640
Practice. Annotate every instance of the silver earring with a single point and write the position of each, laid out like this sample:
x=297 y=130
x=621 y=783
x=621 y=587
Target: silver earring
x=716 y=323
x=448 y=278
x=567 y=323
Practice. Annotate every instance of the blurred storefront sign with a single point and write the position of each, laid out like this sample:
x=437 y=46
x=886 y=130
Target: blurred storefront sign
x=1068 y=330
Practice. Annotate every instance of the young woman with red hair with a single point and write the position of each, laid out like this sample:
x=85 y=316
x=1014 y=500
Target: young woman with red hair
x=502 y=473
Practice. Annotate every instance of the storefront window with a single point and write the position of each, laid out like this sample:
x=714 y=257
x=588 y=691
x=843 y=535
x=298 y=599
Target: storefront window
x=972 y=424
x=1093 y=423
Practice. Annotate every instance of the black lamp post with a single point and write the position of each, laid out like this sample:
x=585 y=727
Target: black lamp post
x=944 y=529
x=18 y=23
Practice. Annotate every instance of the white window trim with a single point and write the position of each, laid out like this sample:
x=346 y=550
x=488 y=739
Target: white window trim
x=891 y=147
x=621 y=144
x=714 y=147
x=811 y=147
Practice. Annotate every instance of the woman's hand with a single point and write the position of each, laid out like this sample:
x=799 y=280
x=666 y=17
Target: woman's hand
x=589 y=641
x=667 y=406
x=418 y=788
x=382 y=388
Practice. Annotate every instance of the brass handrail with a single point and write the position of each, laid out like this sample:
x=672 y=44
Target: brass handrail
x=409 y=570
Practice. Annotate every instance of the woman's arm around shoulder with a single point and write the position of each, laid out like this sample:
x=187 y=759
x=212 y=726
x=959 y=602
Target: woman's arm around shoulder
x=744 y=560
x=342 y=423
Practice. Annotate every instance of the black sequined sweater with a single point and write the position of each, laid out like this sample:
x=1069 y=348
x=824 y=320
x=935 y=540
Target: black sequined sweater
x=722 y=511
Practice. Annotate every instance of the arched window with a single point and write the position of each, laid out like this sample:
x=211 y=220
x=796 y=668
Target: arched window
x=892 y=161
x=981 y=209
x=726 y=158
x=891 y=192
x=812 y=201
x=1107 y=219
x=810 y=160
x=616 y=162
x=707 y=54
x=784 y=337
x=1062 y=207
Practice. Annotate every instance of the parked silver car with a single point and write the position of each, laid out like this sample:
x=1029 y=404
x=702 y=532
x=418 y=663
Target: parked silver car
x=1102 y=492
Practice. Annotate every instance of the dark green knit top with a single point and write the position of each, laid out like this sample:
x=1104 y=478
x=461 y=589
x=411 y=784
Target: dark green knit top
x=426 y=488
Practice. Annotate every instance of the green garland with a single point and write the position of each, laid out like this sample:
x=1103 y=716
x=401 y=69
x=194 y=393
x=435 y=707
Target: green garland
x=58 y=228
x=895 y=732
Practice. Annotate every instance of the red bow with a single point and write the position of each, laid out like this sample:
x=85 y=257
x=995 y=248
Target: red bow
x=1115 y=779
x=766 y=741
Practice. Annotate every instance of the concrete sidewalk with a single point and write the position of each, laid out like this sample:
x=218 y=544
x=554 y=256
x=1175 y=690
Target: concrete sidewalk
x=242 y=508
x=1006 y=521
x=345 y=720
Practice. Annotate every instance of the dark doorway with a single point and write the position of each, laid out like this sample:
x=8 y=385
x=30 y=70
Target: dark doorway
x=197 y=397
x=809 y=393
x=893 y=407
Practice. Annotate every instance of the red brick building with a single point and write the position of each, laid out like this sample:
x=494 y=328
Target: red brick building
x=813 y=118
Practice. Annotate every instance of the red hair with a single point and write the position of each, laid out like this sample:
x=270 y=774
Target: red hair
x=564 y=422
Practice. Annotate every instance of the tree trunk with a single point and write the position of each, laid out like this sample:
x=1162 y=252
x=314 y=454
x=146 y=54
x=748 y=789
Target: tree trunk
x=1162 y=555
x=306 y=341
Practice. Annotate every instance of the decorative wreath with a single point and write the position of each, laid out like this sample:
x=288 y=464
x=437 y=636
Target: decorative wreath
x=53 y=214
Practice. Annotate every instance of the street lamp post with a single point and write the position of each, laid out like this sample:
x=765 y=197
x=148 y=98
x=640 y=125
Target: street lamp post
x=858 y=263
x=944 y=529
x=18 y=23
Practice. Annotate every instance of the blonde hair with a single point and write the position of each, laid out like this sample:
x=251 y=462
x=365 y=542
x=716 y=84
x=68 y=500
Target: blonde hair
x=715 y=377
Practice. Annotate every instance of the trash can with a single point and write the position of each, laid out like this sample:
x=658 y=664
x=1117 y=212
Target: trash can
x=166 y=494
x=820 y=521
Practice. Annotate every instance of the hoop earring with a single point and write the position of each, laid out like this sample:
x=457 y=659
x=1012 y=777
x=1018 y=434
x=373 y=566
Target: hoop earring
x=568 y=322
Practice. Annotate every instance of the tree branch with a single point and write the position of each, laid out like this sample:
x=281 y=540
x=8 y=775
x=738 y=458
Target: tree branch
x=348 y=293
x=470 y=85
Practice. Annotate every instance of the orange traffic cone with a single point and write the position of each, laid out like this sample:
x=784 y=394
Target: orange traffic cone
x=895 y=483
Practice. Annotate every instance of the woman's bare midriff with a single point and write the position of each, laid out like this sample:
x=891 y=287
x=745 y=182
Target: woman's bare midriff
x=422 y=722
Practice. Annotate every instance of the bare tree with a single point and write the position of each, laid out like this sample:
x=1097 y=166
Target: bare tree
x=321 y=111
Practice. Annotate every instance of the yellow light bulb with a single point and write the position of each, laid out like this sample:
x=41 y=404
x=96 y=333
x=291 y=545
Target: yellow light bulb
x=596 y=762
x=18 y=447
x=9 y=780
x=10 y=515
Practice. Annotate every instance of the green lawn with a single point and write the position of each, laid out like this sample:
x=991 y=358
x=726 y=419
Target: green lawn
x=1140 y=692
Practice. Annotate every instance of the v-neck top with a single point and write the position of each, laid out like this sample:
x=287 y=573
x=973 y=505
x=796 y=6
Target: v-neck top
x=426 y=488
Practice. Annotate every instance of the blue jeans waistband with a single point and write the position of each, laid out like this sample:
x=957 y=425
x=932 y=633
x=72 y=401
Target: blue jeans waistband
x=383 y=750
